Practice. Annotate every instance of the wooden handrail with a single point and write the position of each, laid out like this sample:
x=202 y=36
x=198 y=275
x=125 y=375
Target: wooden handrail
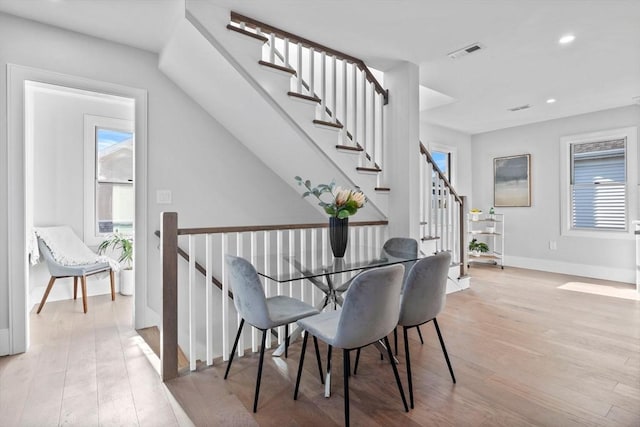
x=254 y=23
x=424 y=151
x=248 y=228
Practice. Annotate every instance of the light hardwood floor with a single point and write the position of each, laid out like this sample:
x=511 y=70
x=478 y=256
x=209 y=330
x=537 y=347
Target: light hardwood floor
x=524 y=352
x=85 y=370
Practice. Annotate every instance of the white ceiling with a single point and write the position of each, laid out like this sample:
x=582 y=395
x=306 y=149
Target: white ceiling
x=522 y=62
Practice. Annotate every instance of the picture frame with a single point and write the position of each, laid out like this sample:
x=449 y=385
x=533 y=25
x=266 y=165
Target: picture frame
x=512 y=181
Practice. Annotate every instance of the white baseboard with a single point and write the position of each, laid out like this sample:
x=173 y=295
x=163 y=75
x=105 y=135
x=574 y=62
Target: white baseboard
x=584 y=270
x=4 y=342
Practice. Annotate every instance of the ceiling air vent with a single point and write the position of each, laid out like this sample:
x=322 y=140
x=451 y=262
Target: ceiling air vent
x=521 y=107
x=466 y=51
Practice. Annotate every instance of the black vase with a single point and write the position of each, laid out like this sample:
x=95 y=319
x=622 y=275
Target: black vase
x=338 y=235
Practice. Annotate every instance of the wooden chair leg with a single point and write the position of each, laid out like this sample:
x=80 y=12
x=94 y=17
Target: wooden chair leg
x=75 y=287
x=83 y=281
x=46 y=294
x=113 y=285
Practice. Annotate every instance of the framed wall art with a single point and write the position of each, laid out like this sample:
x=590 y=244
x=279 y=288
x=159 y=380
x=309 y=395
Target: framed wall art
x=512 y=181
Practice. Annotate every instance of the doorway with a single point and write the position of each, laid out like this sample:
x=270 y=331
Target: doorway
x=22 y=185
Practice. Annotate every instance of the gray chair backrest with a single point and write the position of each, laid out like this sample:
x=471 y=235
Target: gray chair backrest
x=425 y=290
x=55 y=268
x=248 y=294
x=401 y=247
x=371 y=307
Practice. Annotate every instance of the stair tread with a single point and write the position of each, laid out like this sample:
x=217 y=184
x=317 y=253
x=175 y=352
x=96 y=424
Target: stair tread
x=349 y=148
x=303 y=96
x=382 y=189
x=426 y=238
x=325 y=123
x=363 y=169
x=247 y=33
x=278 y=67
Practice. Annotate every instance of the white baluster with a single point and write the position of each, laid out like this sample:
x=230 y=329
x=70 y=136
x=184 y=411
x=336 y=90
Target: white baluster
x=381 y=159
x=267 y=271
x=312 y=71
x=303 y=248
x=323 y=86
x=430 y=199
x=314 y=254
x=225 y=298
x=208 y=298
x=279 y=269
x=243 y=25
x=334 y=90
x=299 y=70
x=272 y=48
x=354 y=104
x=192 y=302
x=363 y=138
x=254 y=260
x=286 y=52
x=372 y=108
x=292 y=253
x=239 y=248
x=345 y=122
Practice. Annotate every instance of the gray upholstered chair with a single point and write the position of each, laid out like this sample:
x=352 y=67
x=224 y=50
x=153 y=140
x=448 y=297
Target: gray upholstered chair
x=58 y=271
x=369 y=313
x=261 y=312
x=422 y=300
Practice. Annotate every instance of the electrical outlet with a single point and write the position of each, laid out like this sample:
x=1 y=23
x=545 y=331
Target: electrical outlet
x=553 y=245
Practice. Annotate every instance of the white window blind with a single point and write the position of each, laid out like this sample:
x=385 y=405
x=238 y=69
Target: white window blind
x=599 y=185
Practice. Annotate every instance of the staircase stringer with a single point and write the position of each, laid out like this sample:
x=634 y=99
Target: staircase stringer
x=317 y=138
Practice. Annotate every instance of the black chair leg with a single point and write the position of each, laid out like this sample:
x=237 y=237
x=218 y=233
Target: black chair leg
x=233 y=350
x=304 y=347
x=347 y=364
x=255 y=399
x=355 y=368
x=408 y=360
x=444 y=350
x=420 y=335
x=286 y=341
x=395 y=373
x=315 y=344
x=329 y=364
x=395 y=339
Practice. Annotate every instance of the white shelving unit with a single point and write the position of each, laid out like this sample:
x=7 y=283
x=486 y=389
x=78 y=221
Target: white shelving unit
x=487 y=228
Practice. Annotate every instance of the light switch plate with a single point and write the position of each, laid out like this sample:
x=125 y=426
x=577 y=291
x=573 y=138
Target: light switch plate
x=163 y=197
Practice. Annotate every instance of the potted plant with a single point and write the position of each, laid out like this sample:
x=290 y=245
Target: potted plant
x=478 y=248
x=341 y=204
x=124 y=244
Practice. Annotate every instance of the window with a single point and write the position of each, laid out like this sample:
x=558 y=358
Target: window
x=598 y=185
x=443 y=161
x=114 y=196
x=600 y=194
x=109 y=172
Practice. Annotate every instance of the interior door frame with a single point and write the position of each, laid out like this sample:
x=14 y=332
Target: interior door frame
x=18 y=262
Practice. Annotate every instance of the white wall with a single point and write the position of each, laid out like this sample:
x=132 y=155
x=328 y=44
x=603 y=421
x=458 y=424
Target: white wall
x=213 y=178
x=56 y=117
x=461 y=142
x=529 y=229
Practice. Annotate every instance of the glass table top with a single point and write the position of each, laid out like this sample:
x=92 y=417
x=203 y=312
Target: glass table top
x=287 y=268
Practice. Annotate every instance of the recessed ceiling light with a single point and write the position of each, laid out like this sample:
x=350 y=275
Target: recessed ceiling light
x=551 y=101
x=566 y=39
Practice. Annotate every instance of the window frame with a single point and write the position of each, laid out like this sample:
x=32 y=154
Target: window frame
x=453 y=158
x=91 y=124
x=631 y=200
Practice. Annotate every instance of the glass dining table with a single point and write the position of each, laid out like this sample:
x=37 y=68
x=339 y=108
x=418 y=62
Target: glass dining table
x=331 y=275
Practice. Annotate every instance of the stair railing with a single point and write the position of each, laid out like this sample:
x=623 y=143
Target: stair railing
x=442 y=211
x=350 y=98
x=212 y=321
